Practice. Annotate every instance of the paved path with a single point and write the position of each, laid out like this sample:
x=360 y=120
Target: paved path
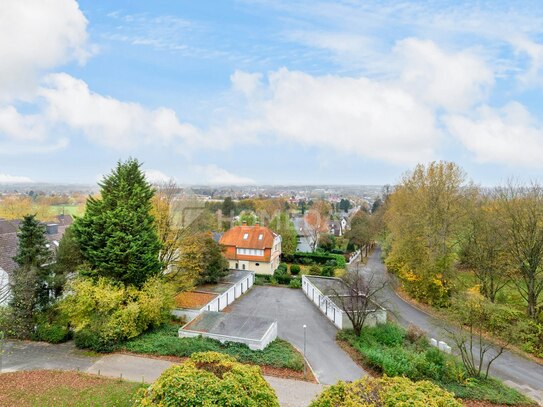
x=37 y=355
x=292 y=310
x=516 y=371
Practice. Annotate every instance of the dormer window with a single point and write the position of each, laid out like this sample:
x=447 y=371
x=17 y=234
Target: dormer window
x=246 y=236
x=260 y=236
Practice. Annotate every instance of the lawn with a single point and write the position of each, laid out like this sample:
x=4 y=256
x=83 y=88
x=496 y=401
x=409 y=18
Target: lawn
x=55 y=388
x=165 y=342
x=391 y=350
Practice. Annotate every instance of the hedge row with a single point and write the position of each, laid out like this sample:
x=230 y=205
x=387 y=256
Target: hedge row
x=315 y=258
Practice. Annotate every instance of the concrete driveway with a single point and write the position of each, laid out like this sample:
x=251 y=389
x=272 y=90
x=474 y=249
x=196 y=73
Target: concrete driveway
x=292 y=310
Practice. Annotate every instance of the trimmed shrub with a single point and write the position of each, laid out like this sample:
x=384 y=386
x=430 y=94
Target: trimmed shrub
x=209 y=379
x=315 y=270
x=295 y=283
x=295 y=269
x=315 y=258
x=52 y=333
x=283 y=267
x=387 y=392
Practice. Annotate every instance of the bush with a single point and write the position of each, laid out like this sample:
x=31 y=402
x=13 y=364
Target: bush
x=261 y=280
x=52 y=333
x=295 y=269
x=209 y=379
x=315 y=270
x=104 y=313
x=327 y=271
x=315 y=258
x=281 y=275
x=283 y=267
x=387 y=392
x=295 y=283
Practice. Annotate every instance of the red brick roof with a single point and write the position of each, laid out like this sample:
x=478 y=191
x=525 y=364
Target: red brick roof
x=235 y=237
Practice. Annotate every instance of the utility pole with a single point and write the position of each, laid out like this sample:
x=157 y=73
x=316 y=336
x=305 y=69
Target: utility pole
x=305 y=360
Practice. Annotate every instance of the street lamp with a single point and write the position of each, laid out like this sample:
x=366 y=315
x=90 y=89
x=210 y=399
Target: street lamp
x=305 y=360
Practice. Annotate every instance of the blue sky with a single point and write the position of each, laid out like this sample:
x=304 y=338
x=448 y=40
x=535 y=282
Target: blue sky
x=270 y=92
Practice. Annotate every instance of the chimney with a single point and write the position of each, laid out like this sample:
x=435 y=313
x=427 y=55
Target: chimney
x=244 y=223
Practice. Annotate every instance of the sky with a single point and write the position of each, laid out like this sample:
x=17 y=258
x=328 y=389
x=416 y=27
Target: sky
x=270 y=92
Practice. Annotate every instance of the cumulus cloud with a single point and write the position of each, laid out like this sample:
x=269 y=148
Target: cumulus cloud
x=354 y=115
x=37 y=35
x=454 y=81
x=214 y=175
x=13 y=179
x=156 y=176
x=507 y=136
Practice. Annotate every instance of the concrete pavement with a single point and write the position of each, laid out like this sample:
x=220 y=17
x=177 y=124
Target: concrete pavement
x=292 y=310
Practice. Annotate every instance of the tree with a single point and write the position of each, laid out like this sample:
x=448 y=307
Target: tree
x=28 y=281
x=248 y=218
x=327 y=242
x=425 y=217
x=67 y=260
x=228 y=207
x=282 y=225
x=361 y=232
x=521 y=209
x=344 y=205
x=267 y=209
x=484 y=248
x=316 y=220
x=117 y=234
x=376 y=205
x=475 y=316
x=200 y=261
x=359 y=295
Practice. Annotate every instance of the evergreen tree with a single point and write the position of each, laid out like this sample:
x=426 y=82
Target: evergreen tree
x=29 y=287
x=215 y=264
x=68 y=259
x=117 y=234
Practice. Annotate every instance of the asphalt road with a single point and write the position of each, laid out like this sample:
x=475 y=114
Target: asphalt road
x=524 y=374
x=292 y=310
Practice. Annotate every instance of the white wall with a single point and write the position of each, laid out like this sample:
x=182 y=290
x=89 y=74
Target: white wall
x=4 y=288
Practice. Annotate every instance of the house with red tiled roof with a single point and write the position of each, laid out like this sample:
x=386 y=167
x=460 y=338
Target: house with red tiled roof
x=254 y=248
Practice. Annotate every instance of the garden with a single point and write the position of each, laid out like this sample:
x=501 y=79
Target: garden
x=393 y=351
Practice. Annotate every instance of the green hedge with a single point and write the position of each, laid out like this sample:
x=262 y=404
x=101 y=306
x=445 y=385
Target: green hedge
x=322 y=258
x=164 y=341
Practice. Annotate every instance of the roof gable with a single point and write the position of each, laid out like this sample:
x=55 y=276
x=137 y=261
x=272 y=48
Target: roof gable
x=249 y=237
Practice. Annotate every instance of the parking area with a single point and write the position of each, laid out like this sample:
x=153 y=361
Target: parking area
x=292 y=310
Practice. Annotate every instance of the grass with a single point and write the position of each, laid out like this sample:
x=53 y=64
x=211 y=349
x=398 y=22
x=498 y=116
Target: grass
x=165 y=342
x=56 y=388
x=391 y=350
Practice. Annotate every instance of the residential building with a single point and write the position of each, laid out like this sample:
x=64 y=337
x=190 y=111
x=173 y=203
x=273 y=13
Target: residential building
x=254 y=248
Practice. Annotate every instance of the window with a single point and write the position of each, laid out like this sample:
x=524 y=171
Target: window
x=260 y=236
x=257 y=264
x=246 y=236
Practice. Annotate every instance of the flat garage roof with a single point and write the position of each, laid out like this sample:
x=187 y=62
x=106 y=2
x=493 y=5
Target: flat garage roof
x=228 y=324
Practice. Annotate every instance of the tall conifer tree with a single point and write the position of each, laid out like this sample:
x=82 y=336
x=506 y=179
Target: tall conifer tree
x=117 y=234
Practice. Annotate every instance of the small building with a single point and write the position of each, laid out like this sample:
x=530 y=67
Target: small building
x=324 y=292
x=255 y=332
x=213 y=297
x=254 y=248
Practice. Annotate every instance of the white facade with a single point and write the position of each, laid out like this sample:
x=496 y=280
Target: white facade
x=4 y=288
x=333 y=312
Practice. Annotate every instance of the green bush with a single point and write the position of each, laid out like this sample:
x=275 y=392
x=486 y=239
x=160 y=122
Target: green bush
x=283 y=267
x=209 y=379
x=104 y=313
x=261 y=279
x=52 y=333
x=164 y=341
x=315 y=258
x=295 y=283
x=282 y=276
x=384 y=334
x=315 y=270
x=295 y=269
x=386 y=392
x=327 y=271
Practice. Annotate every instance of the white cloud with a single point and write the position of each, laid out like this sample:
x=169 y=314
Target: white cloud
x=214 y=175
x=454 y=81
x=506 y=136
x=244 y=82
x=354 y=115
x=13 y=179
x=156 y=176
x=36 y=35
